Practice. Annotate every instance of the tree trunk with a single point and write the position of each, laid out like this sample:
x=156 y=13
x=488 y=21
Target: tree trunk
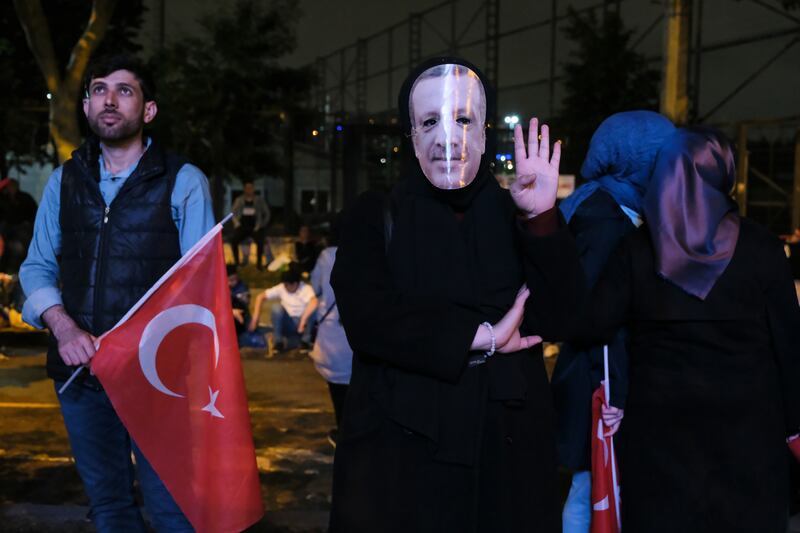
x=65 y=90
x=64 y=123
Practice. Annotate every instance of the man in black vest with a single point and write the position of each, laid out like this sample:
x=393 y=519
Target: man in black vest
x=113 y=219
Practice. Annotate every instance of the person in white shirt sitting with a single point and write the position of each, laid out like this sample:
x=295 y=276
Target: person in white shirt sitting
x=293 y=319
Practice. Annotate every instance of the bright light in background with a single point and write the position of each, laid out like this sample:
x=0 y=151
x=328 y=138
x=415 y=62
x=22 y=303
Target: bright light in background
x=339 y=127
x=315 y=133
x=49 y=96
x=511 y=120
x=396 y=149
x=383 y=160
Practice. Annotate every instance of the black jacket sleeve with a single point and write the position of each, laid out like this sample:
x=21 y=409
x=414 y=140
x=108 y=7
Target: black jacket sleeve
x=783 y=316
x=554 y=277
x=416 y=331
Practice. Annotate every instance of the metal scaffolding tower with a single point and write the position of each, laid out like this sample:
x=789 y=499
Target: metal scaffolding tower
x=361 y=78
x=362 y=95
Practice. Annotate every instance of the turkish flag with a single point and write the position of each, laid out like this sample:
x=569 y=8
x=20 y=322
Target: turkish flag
x=605 y=490
x=171 y=369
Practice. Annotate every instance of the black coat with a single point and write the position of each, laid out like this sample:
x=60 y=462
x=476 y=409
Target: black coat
x=713 y=389
x=397 y=467
x=598 y=226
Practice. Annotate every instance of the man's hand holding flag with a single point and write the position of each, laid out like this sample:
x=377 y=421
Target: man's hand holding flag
x=171 y=368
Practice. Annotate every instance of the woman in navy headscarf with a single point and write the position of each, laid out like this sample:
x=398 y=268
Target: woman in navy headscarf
x=714 y=342
x=600 y=213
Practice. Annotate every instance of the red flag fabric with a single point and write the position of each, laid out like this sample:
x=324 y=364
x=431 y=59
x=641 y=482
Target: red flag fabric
x=171 y=369
x=605 y=490
x=794 y=446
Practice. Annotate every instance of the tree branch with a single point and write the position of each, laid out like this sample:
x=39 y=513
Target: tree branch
x=37 y=33
x=82 y=51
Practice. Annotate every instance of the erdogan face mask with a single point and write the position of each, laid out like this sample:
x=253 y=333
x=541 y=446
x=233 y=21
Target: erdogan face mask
x=447 y=110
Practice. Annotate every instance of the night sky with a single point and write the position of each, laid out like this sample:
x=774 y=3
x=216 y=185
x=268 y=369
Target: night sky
x=327 y=25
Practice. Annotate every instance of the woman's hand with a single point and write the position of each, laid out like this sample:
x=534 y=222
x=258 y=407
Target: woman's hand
x=506 y=332
x=507 y=337
x=534 y=189
x=612 y=418
x=253 y=324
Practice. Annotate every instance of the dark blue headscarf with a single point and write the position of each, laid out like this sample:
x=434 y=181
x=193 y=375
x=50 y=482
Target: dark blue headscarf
x=620 y=159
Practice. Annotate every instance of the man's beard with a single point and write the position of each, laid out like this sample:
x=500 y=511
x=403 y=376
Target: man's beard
x=122 y=130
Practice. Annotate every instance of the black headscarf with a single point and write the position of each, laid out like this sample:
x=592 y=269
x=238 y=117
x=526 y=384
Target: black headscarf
x=693 y=222
x=458 y=244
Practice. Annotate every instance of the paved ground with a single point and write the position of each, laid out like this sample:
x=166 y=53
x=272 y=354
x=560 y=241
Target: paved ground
x=291 y=414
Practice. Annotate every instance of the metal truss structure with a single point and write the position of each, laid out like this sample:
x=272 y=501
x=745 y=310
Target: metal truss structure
x=358 y=83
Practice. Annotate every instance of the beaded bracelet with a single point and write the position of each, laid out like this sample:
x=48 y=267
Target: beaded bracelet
x=491 y=333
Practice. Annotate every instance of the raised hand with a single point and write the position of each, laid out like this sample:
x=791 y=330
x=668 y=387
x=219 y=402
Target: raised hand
x=534 y=189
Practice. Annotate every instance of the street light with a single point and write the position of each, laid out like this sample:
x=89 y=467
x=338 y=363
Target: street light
x=511 y=120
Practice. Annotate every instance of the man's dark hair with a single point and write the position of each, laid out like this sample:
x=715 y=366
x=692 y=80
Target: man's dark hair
x=232 y=269
x=292 y=274
x=105 y=65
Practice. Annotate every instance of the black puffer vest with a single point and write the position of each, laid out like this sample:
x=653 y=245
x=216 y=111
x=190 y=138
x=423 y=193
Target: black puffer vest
x=111 y=255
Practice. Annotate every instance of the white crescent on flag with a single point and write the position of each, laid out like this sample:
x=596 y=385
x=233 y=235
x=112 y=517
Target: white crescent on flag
x=159 y=327
x=602 y=505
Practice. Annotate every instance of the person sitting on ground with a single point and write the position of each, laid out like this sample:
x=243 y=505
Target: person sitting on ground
x=250 y=218
x=240 y=300
x=293 y=318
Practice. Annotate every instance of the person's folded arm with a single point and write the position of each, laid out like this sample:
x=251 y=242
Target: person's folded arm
x=418 y=331
x=552 y=272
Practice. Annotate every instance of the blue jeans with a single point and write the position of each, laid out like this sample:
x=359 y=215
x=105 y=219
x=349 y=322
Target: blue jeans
x=102 y=450
x=577 y=514
x=285 y=327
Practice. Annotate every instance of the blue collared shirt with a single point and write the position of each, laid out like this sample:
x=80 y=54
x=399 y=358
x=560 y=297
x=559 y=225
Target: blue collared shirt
x=39 y=273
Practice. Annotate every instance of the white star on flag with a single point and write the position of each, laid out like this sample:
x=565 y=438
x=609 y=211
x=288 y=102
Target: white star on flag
x=211 y=408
